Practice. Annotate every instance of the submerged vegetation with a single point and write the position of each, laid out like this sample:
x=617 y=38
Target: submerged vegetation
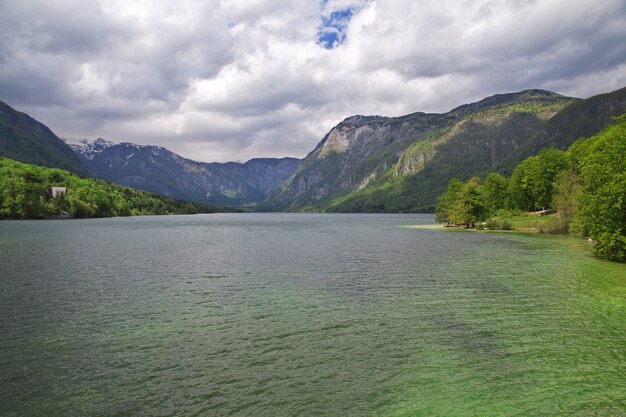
x=26 y=193
x=585 y=186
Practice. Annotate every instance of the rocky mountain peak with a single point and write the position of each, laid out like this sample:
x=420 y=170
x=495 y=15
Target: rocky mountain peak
x=346 y=136
x=159 y=170
x=89 y=150
x=358 y=119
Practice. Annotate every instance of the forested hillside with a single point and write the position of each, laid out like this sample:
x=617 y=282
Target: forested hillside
x=585 y=185
x=25 y=139
x=380 y=164
x=26 y=193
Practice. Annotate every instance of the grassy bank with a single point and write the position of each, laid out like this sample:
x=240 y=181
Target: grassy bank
x=532 y=224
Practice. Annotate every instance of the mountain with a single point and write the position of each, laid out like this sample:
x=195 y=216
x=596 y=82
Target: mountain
x=364 y=164
x=363 y=153
x=581 y=119
x=391 y=164
x=24 y=139
x=158 y=170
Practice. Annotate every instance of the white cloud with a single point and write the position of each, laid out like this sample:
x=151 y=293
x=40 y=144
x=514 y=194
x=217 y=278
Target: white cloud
x=229 y=80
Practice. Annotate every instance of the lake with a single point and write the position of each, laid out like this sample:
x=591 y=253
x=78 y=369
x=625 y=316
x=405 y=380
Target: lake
x=305 y=315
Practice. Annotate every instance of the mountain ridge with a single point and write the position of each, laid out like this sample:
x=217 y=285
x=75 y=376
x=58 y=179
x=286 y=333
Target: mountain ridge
x=364 y=163
x=390 y=164
x=157 y=169
x=27 y=140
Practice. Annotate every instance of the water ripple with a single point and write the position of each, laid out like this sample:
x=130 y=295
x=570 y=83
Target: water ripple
x=320 y=315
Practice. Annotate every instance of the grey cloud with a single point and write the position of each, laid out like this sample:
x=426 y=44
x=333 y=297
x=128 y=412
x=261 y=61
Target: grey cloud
x=441 y=47
x=224 y=79
x=71 y=28
x=153 y=65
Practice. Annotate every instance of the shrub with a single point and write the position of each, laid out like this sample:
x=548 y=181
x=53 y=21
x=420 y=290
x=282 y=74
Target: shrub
x=557 y=225
x=493 y=224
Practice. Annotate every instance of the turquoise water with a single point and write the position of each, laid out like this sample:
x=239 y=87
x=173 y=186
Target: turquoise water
x=305 y=315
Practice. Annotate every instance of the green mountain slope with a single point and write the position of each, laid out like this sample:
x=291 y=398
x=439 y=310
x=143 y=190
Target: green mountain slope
x=377 y=164
x=25 y=139
x=355 y=152
x=25 y=193
x=479 y=143
x=581 y=119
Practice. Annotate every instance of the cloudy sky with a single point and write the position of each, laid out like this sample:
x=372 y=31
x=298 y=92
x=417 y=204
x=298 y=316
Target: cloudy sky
x=218 y=80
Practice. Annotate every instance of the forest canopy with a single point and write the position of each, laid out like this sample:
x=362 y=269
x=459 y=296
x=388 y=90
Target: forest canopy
x=26 y=193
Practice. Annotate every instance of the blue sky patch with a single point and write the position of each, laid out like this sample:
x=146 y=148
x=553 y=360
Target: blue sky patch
x=332 y=31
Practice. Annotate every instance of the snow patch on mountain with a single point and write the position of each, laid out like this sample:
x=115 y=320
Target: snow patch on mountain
x=90 y=149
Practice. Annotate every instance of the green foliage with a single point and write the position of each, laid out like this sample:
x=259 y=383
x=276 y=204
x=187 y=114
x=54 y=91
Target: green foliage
x=475 y=207
x=496 y=191
x=506 y=224
x=502 y=221
x=603 y=206
x=492 y=223
x=532 y=182
x=556 y=225
x=586 y=185
x=535 y=106
x=25 y=194
x=568 y=193
x=446 y=202
x=462 y=204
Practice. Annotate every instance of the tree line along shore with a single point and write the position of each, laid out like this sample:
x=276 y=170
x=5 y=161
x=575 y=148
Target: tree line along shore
x=584 y=186
x=26 y=192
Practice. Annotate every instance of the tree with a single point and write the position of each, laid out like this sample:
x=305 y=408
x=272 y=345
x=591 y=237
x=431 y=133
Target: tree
x=474 y=203
x=568 y=193
x=446 y=202
x=532 y=183
x=603 y=205
x=520 y=197
x=495 y=190
x=551 y=162
x=462 y=204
